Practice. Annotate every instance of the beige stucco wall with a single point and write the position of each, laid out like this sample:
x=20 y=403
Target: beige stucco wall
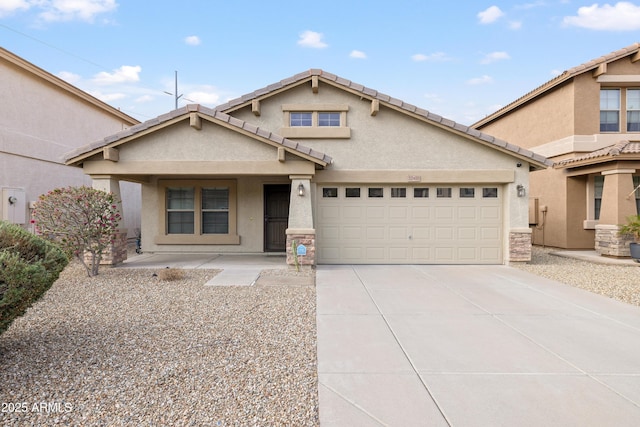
x=250 y=220
x=392 y=141
x=39 y=123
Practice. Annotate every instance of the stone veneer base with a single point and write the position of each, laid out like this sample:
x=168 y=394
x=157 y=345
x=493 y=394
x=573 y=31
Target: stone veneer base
x=308 y=239
x=609 y=243
x=520 y=246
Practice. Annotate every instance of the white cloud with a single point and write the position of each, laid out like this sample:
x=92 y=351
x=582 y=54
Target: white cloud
x=144 y=98
x=69 y=77
x=623 y=16
x=205 y=96
x=515 y=25
x=108 y=97
x=7 y=7
x=126 y=73
x=480 y=80
x=358 y=54
x=494 y=56
x=192 y=40
x=491 y=15
x=312 y=39
x=69 y=10
x=433 y=57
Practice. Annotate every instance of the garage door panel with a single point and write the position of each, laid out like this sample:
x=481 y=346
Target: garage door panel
x=400 y=230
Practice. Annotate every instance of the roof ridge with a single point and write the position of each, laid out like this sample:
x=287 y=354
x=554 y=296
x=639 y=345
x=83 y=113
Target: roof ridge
x=394 y=102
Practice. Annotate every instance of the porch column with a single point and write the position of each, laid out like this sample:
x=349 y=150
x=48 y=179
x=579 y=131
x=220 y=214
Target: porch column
x=301 y=234
x=617 y=205
x=118 y=250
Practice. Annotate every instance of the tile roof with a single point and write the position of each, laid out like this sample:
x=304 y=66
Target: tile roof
x=361 y=90
x=566 y=75
x=212 y=114
x=621 y=148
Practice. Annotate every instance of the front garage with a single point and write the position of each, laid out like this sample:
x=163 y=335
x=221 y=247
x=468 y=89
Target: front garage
x=409 y=224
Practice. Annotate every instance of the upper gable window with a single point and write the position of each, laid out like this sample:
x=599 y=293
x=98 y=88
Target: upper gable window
x=300 y=119
x=609 y=110
x=315 y=121
x=329 y=119
x=633 y=110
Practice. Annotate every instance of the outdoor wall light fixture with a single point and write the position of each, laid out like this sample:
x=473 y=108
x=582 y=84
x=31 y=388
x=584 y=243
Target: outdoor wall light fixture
x=12 y=200
x=300 y=190
x=521 y=190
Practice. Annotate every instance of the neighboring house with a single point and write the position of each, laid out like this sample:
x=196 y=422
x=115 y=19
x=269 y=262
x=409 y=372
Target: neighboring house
x=587 y=120
x=327 y=170
x=41 y=118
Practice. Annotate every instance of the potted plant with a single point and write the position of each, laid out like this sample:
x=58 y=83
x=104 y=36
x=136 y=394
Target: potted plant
x=633 y=227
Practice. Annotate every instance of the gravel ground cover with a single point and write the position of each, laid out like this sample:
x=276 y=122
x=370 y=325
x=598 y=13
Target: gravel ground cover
x=125 y=348
x=620 y=282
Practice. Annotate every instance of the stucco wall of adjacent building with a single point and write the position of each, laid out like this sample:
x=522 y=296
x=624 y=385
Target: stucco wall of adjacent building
x=39 y=123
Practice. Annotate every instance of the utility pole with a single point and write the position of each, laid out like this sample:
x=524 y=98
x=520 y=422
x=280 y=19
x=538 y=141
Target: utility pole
x=175 y=94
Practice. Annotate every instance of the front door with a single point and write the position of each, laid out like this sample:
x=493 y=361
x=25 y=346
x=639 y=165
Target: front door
x=276 y=217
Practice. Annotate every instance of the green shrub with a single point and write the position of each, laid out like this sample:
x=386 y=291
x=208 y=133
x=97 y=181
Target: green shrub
x=28 y=267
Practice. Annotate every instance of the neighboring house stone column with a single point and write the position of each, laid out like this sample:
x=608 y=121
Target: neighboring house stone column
x=117 y=253
x=618 y=203
x=301 y=234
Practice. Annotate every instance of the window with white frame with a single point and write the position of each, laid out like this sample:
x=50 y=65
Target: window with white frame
x=609 y=110
x=633 y=110
x=598 y=185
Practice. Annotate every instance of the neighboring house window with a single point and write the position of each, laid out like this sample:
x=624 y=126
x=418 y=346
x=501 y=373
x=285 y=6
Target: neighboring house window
x=610 y=110
x=315 y=121
x=598 y=184
x=198 y=212
x=633 y=110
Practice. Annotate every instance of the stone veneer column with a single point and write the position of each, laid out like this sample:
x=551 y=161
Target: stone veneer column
x=117 y=253
x=617 y=205
x=301 y=230
x=520 y=245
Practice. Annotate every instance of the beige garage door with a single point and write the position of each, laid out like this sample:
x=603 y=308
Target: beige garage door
x=418 y=224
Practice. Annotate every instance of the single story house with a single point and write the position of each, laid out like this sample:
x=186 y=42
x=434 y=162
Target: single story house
x=587 y=120
x=326 y=170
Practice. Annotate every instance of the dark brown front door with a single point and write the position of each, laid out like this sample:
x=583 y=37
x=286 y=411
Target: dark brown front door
x=276 y=216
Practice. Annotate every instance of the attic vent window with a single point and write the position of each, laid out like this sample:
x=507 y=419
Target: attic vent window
x=300 y=119
x=327 y=121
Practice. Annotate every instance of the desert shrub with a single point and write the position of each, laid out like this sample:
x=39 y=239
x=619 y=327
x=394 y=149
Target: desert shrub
x=28 y=267
x=170 y=274
x=81 y=220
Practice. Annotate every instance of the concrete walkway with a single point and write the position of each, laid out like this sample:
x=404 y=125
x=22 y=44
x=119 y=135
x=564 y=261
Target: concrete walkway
x=472 y=346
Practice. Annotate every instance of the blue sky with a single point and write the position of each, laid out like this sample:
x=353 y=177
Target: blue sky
x=461 y=60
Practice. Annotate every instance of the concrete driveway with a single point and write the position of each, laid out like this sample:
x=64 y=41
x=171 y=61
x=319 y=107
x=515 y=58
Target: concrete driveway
x=472 y=346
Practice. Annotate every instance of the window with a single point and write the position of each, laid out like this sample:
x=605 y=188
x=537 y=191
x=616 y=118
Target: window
x=420 y=192
x=489 y=192
x=467 y=193
x=180 y=210
x=198 y=212
x=352 y=192
x=399 y=192
x=315 y=121
x=329 y=119
x=376 y=192
x=215 y=210
x=609 y=110
x=443 y=192
x=598 y=182
x=300 y=119
x=633 y=110
x=329 y=192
